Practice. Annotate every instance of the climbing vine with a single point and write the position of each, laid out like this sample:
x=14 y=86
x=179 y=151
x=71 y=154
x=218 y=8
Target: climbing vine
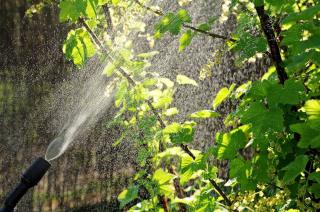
x=277 y=117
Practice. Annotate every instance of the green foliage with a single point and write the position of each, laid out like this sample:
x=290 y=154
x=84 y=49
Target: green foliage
x=128 y=195
x=222 y=95
x=295 y=168
x=74 y=9
x=78 y=47
x=184 y=80
x=180 y=133
x=172 y=23
x=278 y=124
x=204 y=114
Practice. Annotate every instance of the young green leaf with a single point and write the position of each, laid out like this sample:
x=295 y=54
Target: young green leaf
x=205 y=114
x=78 y=46
x=185 y=39
x=230 y=144
x=293 y=169
x=222 y=95
x=128 y=195
x=183 y=80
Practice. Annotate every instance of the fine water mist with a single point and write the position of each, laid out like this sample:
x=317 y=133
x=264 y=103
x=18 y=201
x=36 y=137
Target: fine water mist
x=96 y=95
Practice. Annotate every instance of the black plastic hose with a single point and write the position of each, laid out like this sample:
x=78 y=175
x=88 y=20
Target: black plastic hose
x=29 y=178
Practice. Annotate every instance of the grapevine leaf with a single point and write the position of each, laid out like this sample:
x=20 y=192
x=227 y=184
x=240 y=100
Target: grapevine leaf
x=230 y=144
x=182 y=80
x=185 y=39
x=78 y=46
x=171 y=111
x=128 y=195
x=172 y=23
x=304 y=15
x=162 y=177
x=74 y=9
x=293 y=169
x=242 y=171
x=262 y=119
x=315 y=176
x=310 y=137
x=222 y=95
x=205 y=114
x=180 y=133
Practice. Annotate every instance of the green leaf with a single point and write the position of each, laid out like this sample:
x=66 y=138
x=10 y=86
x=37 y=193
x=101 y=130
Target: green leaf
x=109 y=69
x=291 y=93
x=121 y=93
x=230 y=144
x=248 y=45
x=222 y=95
x=172 y=23
x=205 y=114
x=162 y=177
x=262 y=120
x=180 y=133
x=74 y=9
x=191 y=168
x=183 y=80
x=78 y=46
x=184 y=16
x=242 y=171
x=295 y=168
x=312 y=108
x=309 y=137
x=185 y=39
x=171 y=111
x=128 y=195
x=304 y=15
x=315 y=176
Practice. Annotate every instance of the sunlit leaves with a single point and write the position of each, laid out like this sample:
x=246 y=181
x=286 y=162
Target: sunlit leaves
x=185 y=39
x=74 y=9
x=312 y=108
x=292 y=92
x=171 y=111
x=183 y=80
x=163 y=181
x=230 y=143
x=205 y=114
x=190 y=168
x=222 y=95
x=262 y=120
x=295 y=168
x=180 y=133
x=172 y=23
x=310 y=137
x=242 y=171
x=78 y=46
x=304 y=15
x=128 y=195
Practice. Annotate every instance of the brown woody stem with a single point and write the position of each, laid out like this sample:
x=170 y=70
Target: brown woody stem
x=266 y=25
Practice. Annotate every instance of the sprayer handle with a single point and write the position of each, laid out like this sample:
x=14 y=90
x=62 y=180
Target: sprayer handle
x=15 y=196
x=5 y=209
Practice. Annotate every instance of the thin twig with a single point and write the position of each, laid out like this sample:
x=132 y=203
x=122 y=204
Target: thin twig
x=268 y=30
x=213 y=35
x=106 y=11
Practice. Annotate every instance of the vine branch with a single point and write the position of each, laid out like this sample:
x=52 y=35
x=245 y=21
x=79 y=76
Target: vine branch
x=160 y=13
x=107 y=14
x=268 y=30
x=184 y=147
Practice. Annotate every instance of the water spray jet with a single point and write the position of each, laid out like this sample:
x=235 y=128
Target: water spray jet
x=29 y=179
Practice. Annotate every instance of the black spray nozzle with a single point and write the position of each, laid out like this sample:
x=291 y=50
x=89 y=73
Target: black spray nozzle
x=29 y=178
